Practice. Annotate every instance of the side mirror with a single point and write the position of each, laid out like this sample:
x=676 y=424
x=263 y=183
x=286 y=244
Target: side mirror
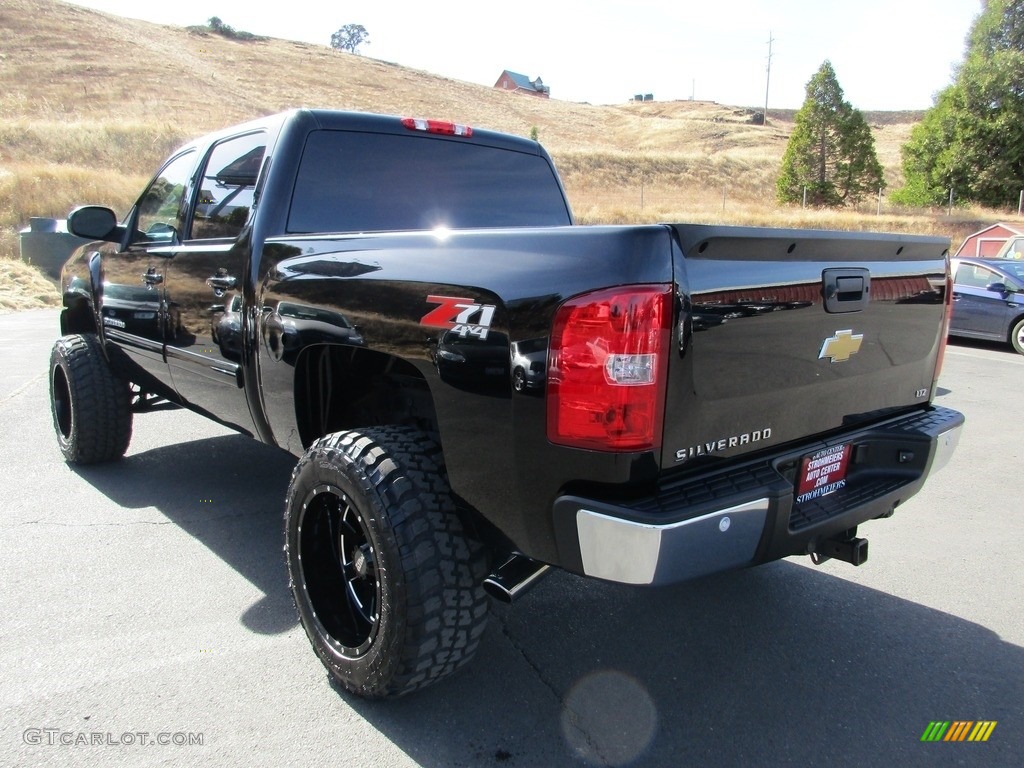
x=998 y=288
x=94 y=222
x=161 y=231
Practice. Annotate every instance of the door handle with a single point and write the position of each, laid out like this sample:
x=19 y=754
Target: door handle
x=846 y=289
x=221 y=283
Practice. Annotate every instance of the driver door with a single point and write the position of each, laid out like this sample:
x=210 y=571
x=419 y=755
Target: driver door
x=132 y=300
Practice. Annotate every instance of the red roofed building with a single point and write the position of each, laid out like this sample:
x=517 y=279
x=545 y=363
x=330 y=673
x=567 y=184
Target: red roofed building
x=517 y=83
x=985 y=243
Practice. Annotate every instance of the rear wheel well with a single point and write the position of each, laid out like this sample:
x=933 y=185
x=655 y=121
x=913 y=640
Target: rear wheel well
x=339 y=388
x=77 y=318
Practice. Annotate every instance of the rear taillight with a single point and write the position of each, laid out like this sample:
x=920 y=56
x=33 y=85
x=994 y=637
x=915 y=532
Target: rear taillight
x=442 y=127
x=607 y=369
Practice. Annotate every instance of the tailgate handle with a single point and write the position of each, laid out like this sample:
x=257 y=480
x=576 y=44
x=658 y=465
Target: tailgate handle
x=846 y=290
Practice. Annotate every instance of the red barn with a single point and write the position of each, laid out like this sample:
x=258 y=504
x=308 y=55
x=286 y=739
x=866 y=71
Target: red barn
x=986 y=243
x=516 y=83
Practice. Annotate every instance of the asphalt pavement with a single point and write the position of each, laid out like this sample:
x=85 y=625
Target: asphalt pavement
x=146 y=620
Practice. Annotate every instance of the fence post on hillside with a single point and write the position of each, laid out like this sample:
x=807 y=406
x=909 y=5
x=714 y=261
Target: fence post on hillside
x=724 y=188
x=950 y=201
x=1020 y=202
x=641 y=196
x=805 y=197
x=879 y=201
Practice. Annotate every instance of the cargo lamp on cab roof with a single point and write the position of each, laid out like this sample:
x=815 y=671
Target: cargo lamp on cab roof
x=442 y=127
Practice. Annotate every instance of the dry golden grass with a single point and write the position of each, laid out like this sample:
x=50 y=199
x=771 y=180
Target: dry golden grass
x=90 y=103
x=23 y=287
x=103 y=145
x=52 y=190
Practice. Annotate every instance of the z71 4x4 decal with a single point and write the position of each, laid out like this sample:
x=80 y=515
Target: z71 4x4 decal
x=463 y=317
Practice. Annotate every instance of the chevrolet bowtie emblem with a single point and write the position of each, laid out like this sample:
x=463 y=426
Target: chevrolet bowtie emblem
x=841 y=347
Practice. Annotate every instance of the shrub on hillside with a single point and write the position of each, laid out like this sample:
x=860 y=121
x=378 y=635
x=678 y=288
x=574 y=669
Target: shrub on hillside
x=218 y=27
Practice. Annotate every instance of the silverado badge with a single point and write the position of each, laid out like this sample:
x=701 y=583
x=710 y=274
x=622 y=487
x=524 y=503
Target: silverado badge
x=841 y=347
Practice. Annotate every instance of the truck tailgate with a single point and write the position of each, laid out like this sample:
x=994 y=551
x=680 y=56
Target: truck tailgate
x=786 y=334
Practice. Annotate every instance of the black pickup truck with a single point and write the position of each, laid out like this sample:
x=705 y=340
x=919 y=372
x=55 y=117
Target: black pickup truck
x=479 y=390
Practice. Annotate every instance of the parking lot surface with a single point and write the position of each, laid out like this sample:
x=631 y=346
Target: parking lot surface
x=147 y=620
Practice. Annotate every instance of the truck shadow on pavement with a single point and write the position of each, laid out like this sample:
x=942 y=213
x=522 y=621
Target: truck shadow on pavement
x=780 y=664
x=775 y=665
x=209 y=489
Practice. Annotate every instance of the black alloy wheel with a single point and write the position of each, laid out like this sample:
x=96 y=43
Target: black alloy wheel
x=386 y=579
x=340 y=569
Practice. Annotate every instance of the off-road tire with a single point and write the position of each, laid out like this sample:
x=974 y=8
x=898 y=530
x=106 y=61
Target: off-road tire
x=386 y=580
x=1017 y=336
x=90 y=404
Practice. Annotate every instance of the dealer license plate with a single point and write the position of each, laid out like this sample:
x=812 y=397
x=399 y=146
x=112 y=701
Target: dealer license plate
x=822 y=473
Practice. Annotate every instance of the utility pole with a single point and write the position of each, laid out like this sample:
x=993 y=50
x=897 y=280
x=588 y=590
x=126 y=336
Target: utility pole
x=768 y=78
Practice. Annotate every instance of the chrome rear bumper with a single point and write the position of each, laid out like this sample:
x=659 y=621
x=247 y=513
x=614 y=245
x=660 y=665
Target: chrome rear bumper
x=747 y=514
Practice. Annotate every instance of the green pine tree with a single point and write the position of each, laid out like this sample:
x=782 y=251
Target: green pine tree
x=972 y=139
x=831 y=153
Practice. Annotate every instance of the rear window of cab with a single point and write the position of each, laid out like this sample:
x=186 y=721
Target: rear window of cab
x=368 y=182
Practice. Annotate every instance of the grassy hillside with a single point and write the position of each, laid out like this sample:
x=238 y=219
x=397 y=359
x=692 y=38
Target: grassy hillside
x=90 y=103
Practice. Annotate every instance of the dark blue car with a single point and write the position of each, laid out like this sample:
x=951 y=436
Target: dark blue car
x=988 y=300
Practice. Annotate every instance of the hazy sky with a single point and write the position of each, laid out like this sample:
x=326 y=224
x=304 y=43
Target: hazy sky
x=887 y=54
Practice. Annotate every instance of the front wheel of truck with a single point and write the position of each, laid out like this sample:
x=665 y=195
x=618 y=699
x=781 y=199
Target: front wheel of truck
x=91 y=406
x=386 y=581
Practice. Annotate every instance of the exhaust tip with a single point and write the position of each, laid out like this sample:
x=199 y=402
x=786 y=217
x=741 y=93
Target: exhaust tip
x=514 y=578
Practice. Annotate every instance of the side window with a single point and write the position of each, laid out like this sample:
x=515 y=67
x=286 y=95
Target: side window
x=986 y=277
x=227 y=185
x=161 y=209
x=975 y=276
x=961 y=272
x=1015 y=248
x=1017 y=270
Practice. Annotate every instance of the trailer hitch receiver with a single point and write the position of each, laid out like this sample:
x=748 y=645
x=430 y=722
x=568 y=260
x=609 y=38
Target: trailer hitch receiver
x=847 y=548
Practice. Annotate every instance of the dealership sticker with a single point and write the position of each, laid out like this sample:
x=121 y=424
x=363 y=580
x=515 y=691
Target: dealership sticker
x=823 y=473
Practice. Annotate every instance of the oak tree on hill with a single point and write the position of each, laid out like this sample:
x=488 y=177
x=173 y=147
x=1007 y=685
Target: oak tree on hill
x=972 y=139
x=350 y=37
x=831 y=154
